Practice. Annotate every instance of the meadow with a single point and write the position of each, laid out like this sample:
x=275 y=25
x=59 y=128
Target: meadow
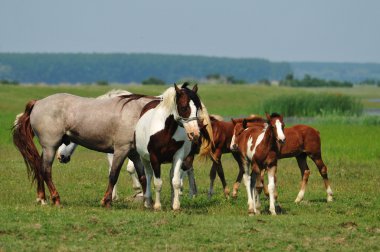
x=350 y=223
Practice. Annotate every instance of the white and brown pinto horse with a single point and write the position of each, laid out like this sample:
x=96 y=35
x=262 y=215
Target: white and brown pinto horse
x=105 y=125
x=302 y=141
x=259 y=146
x=165 y=133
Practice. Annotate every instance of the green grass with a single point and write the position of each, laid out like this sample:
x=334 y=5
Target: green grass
x=350 y=223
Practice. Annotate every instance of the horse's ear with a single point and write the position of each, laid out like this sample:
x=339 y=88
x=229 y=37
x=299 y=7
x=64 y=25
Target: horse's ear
x=267 y=115
x=245 y=123
x=195 y=88
x=233 y=121
x=176 y=88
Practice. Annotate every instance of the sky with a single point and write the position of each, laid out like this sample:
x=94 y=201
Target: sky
x=277 y=30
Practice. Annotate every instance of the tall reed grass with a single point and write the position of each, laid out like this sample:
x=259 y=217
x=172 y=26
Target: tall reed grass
x=321 y=104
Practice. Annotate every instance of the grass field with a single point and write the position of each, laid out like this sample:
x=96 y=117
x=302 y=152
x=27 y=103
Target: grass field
x=350 y=223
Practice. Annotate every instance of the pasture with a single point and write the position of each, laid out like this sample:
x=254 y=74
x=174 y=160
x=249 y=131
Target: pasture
x=350 y=223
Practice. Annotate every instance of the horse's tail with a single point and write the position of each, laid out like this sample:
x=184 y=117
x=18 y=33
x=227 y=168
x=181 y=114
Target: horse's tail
x=207 y=144
x=23 y=139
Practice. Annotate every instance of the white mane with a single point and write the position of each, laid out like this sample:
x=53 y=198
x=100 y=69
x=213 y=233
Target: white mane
x=113 y=93
x=168 y=99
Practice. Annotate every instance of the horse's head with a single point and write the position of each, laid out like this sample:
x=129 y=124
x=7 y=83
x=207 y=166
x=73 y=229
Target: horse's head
x=64 y=152
x=239 y=127
x=187 y=106
x=276 y=122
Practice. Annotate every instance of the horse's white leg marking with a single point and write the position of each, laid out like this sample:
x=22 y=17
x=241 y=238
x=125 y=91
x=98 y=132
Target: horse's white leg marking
x=300 y=196
x=329 y=194
x=148 y=174
x=280 y=133
x=42 y=201
x=158 y=187
x=132 y=171
x=114 y=191
x=271 y=189
x=176 y=181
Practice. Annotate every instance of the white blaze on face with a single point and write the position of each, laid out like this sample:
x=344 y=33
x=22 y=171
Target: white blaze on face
x=280 y=132
x=192 y=126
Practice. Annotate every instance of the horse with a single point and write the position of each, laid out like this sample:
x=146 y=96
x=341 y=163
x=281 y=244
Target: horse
x=165 y=133
x=222 y=136
x=258 y=146
x=64 y=151
x=103 y=125
x=303 y=141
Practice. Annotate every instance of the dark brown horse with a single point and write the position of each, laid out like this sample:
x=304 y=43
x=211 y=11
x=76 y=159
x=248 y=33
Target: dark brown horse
x=303 y=141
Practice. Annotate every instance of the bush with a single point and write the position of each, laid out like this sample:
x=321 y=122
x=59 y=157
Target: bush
x=102 y=83
x=153 y=81
x=8 y=82
x=314 y=105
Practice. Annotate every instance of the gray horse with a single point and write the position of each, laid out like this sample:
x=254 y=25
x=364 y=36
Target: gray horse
x=103 y=125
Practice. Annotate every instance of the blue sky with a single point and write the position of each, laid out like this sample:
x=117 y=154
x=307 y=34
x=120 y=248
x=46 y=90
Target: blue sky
x=278 y=30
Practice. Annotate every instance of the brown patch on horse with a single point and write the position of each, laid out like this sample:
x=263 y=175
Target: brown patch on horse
x=133 y=97
x=149 y=106
x=161 y=145
x=23 y=139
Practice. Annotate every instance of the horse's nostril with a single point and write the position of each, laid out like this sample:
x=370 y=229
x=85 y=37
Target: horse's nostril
x=192 y=134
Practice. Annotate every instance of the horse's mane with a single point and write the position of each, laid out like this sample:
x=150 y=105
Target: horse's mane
x=214 y=117
x=207 y=144
x=113 y=93
x=168 y=99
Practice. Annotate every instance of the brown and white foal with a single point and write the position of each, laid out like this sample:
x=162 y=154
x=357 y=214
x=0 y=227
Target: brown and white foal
x=259 y=146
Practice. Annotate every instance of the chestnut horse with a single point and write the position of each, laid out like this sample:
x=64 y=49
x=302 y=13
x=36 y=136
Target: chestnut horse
x=303 y=141
x=258 y=146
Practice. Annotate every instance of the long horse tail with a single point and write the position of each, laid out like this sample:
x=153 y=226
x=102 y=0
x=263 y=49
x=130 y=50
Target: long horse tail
x=207 y=145
x=23 y=139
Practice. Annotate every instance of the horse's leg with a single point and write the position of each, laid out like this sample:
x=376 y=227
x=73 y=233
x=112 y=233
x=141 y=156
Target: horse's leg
x=117 y=163
x=148 y=202
x=212 y=179
x=272 y=188
x=305 y=172
x=41 y=197
x=239 y=176
x=317 y=158
x=247 y=182
x=136 y=165
x=48 y=154
x=187 y=166
x=219 y=170
x=176 y=180
x=114 y=191
x=132 y=172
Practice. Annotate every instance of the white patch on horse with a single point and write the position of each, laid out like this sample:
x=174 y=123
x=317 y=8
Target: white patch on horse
x=280 y=133
x=251 y=153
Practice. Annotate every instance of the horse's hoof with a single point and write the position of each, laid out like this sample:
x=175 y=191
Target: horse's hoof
x=176 y=207
x=330 y=198
x=148 y=203
x=42 y=202
x=227 y=193
x=157 y=207
x=273 y=212
x=298 y=200
x=251 y=212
